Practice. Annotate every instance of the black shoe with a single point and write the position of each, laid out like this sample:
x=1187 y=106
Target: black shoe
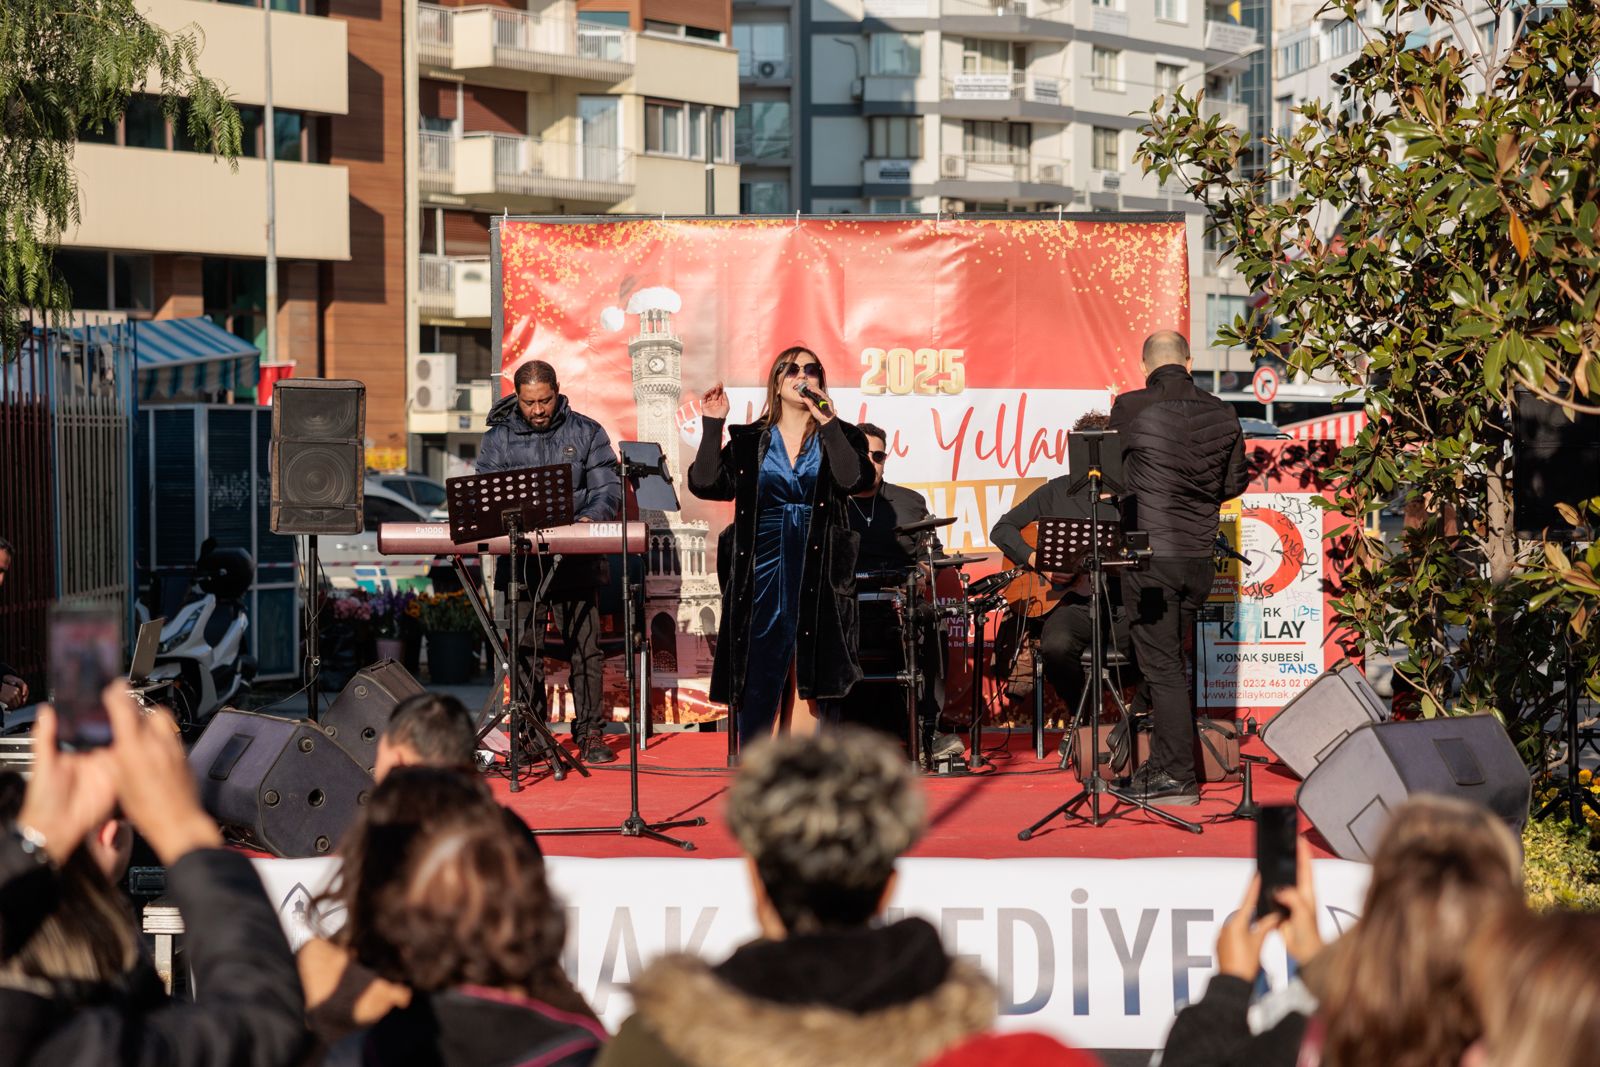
x=594 y=749
x=1155 y=786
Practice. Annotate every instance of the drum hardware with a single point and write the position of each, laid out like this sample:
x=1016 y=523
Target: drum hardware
x=954 y=561
x=927 y=525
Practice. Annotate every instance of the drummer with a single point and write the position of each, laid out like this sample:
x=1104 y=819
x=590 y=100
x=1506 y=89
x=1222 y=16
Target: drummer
x=876 y=513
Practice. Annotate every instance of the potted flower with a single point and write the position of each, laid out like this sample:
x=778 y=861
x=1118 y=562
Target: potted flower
x=447 y=622
x=346 y=637
x=388 y=618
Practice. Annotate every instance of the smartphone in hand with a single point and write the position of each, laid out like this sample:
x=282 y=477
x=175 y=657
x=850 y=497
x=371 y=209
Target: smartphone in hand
x=85 y=657
x=1276 y=828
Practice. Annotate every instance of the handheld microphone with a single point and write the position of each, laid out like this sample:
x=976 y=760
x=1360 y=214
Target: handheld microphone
x=815 y=397
x=1220 y=547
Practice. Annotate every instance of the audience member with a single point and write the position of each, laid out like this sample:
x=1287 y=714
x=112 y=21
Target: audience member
x=1392 y=991
x=70 y=947
x=822 y=820
x=13 y=690
x=451 y=944
x=427 y=730
x=1536 y=989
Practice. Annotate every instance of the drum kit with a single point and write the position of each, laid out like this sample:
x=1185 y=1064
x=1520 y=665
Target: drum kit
x=906 y=639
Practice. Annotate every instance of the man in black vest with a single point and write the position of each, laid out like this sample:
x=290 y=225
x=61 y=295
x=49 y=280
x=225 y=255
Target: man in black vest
x=1184 y=456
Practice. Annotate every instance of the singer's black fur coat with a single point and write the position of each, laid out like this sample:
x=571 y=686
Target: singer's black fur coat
x=826 y=664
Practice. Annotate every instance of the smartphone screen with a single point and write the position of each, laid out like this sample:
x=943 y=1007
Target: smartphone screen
x=1275 y=853
x=85 y=656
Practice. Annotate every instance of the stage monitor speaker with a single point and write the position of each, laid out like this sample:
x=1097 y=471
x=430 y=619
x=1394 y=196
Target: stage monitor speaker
x=318 y=456
x=280 y=785
x=1349 y=795
x=1554 y=459
x=1320 y=716
x=363 y=707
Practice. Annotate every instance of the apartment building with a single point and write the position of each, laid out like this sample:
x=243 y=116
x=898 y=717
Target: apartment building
x=169 y=232
x=588 y=108
x=889 y=106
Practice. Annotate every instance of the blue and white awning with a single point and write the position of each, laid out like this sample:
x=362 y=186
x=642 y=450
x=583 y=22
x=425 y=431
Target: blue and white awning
x=187 y=357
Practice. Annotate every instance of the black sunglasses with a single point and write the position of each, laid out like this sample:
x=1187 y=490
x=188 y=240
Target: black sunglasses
x=812 y=370
x=878 y=457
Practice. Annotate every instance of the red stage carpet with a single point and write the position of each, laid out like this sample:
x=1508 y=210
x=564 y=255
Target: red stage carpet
x=683 y=775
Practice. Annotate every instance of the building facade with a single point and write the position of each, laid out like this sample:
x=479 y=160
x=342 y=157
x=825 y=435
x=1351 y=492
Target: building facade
x=918 y=106
x=589 y=108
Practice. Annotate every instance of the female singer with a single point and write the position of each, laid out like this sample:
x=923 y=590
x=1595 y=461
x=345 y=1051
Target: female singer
x=789 y=610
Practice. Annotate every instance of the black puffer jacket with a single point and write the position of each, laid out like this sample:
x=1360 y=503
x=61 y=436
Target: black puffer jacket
x=1185 y=456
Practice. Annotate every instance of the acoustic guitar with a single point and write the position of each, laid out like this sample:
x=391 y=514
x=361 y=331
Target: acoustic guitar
x=1028 y=592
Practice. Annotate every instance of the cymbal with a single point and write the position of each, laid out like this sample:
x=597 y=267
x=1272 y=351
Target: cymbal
x=957 y=561
x=932 y=522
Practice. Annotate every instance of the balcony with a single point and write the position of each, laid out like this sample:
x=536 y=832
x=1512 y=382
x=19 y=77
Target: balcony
x=499 y=45
x=453 y=287
x=310 y=53
x=496 y=164
x=1229 y=45
x=759 y=70
x=1230 y=112
x=464 y=407
x=1007 y=19
x=1017 y=169
x=1006 y=96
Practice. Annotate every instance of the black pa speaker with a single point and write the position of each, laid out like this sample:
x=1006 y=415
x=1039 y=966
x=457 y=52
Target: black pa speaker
x=1320 y=716
x=318 y=456
x=362 y=708
x=280 y=785
x=1349 y=795
x=1554 y=459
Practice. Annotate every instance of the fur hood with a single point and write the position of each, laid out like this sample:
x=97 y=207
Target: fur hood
x=705 y=1021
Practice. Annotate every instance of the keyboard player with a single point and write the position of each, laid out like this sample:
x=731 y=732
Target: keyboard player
x=536 y=427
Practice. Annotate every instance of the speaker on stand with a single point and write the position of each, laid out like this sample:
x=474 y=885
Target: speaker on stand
x=318 y=466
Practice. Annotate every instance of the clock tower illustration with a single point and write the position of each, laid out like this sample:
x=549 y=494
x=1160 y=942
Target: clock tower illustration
x=682 y=601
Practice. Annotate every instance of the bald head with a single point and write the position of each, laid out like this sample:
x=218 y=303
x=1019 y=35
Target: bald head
x=1165 y=347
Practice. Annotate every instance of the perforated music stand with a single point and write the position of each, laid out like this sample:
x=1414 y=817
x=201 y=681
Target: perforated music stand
x=513 y=504
x=1067 y=545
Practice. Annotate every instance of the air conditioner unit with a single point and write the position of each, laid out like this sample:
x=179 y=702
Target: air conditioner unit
x=766 y=69
x=433 y=381
x=483 y=397
x=952 y=167
x=1048 y=173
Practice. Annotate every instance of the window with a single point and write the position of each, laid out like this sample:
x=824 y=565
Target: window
x=234 y=296
x=663 y=128
x=761 y=130
x=1489 y=31
x=764 y=198
x=131 y=285
x=1106 y=68
x=701 y=34
x=897 y=53
x=1299 y=54
x=1221 y=310
x=144 y=126
x=1346 y=38
x=1168 y=77
x=85 y=275
x=1171 y=11
x=983 y=141
x=894 y=205
x=721 y=139
x=1107 y=153
x=985 y=57
x=895 y=137
x=288 y=143
x=763 y=49
x=1114 y=5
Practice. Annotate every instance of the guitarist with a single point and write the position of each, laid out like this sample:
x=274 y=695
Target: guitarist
x=1067 y=627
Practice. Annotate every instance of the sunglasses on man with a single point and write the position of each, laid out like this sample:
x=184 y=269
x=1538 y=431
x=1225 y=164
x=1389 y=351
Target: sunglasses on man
x=878 y=457
x=811 y=370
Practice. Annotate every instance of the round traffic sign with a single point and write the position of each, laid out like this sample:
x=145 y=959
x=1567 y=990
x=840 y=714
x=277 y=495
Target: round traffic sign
x=1265 y=384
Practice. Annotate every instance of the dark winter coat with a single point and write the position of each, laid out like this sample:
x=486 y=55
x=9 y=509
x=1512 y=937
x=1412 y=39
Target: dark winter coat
x=886 y=996
x=248 y=1010
x=826 y=664
x=576 y=440
x=471 y=1027
x=1215 y=1032
x=1184 y=456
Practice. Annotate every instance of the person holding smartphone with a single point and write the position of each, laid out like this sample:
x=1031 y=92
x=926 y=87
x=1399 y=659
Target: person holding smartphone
x=13 y=690
x=790 y=475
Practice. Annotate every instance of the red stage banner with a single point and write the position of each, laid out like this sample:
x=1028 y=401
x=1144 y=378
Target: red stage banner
x=975 y=343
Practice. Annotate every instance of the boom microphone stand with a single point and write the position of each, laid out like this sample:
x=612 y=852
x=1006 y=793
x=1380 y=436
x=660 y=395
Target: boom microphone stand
x=640 y=460
x=1060 y=544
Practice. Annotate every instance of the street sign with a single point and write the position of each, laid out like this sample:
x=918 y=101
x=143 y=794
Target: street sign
x=1265 y=384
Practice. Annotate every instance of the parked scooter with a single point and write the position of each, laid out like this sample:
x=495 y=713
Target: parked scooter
x=202 y=653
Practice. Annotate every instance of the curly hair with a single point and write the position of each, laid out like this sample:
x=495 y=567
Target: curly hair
x=824 y=818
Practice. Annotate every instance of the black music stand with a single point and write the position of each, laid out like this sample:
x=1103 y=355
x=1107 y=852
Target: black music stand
x=645 y=480
x=513 y=504
x=1065 y=545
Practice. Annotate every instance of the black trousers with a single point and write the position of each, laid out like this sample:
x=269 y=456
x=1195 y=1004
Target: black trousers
x=1067 y=631
x=576 y=617
x=1162 y=603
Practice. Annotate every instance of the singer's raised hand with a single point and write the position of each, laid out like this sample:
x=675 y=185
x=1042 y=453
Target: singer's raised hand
x=714 y=402
x=816 y=401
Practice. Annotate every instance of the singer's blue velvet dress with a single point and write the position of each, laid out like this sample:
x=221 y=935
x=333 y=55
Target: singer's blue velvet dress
x=783 y=517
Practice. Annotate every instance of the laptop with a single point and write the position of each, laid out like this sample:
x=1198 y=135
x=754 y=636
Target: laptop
x=144 y=651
